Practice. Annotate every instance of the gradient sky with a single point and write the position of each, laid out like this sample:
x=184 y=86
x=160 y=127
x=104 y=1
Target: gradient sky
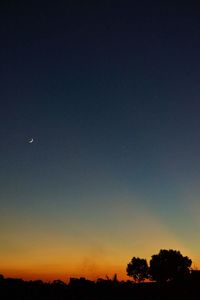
x=110 y=92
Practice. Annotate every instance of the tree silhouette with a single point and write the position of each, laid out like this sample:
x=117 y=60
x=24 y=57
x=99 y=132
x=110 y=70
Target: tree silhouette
x=169 y=265
x=138 y=269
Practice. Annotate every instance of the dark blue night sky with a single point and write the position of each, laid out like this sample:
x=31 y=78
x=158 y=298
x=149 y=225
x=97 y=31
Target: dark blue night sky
x=109 y=91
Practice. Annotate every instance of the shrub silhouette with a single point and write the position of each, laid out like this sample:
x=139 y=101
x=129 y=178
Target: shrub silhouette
x=169 y=265
x=138 y=269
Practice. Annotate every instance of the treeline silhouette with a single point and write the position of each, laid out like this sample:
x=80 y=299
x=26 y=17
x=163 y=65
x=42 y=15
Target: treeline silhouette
x=167 y=287
x=167 y=265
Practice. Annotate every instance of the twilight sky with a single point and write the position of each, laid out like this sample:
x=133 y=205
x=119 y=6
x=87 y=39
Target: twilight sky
x=109 y=90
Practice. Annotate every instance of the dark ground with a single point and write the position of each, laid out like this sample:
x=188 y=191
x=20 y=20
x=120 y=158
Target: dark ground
x=11 y=289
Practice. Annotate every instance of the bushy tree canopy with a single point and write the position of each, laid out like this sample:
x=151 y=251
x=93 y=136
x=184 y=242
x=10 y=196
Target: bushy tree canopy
x=169 y=265
x=138 y=269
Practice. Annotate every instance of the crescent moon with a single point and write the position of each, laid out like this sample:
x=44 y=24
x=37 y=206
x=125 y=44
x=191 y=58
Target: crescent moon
x=31 y=141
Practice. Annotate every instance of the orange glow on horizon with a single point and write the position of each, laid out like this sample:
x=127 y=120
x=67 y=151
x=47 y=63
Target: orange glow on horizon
x=50 y=275
x=64 y=276
x=87 y=248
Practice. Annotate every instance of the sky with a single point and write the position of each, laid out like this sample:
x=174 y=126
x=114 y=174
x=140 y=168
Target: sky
x=109 y=91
